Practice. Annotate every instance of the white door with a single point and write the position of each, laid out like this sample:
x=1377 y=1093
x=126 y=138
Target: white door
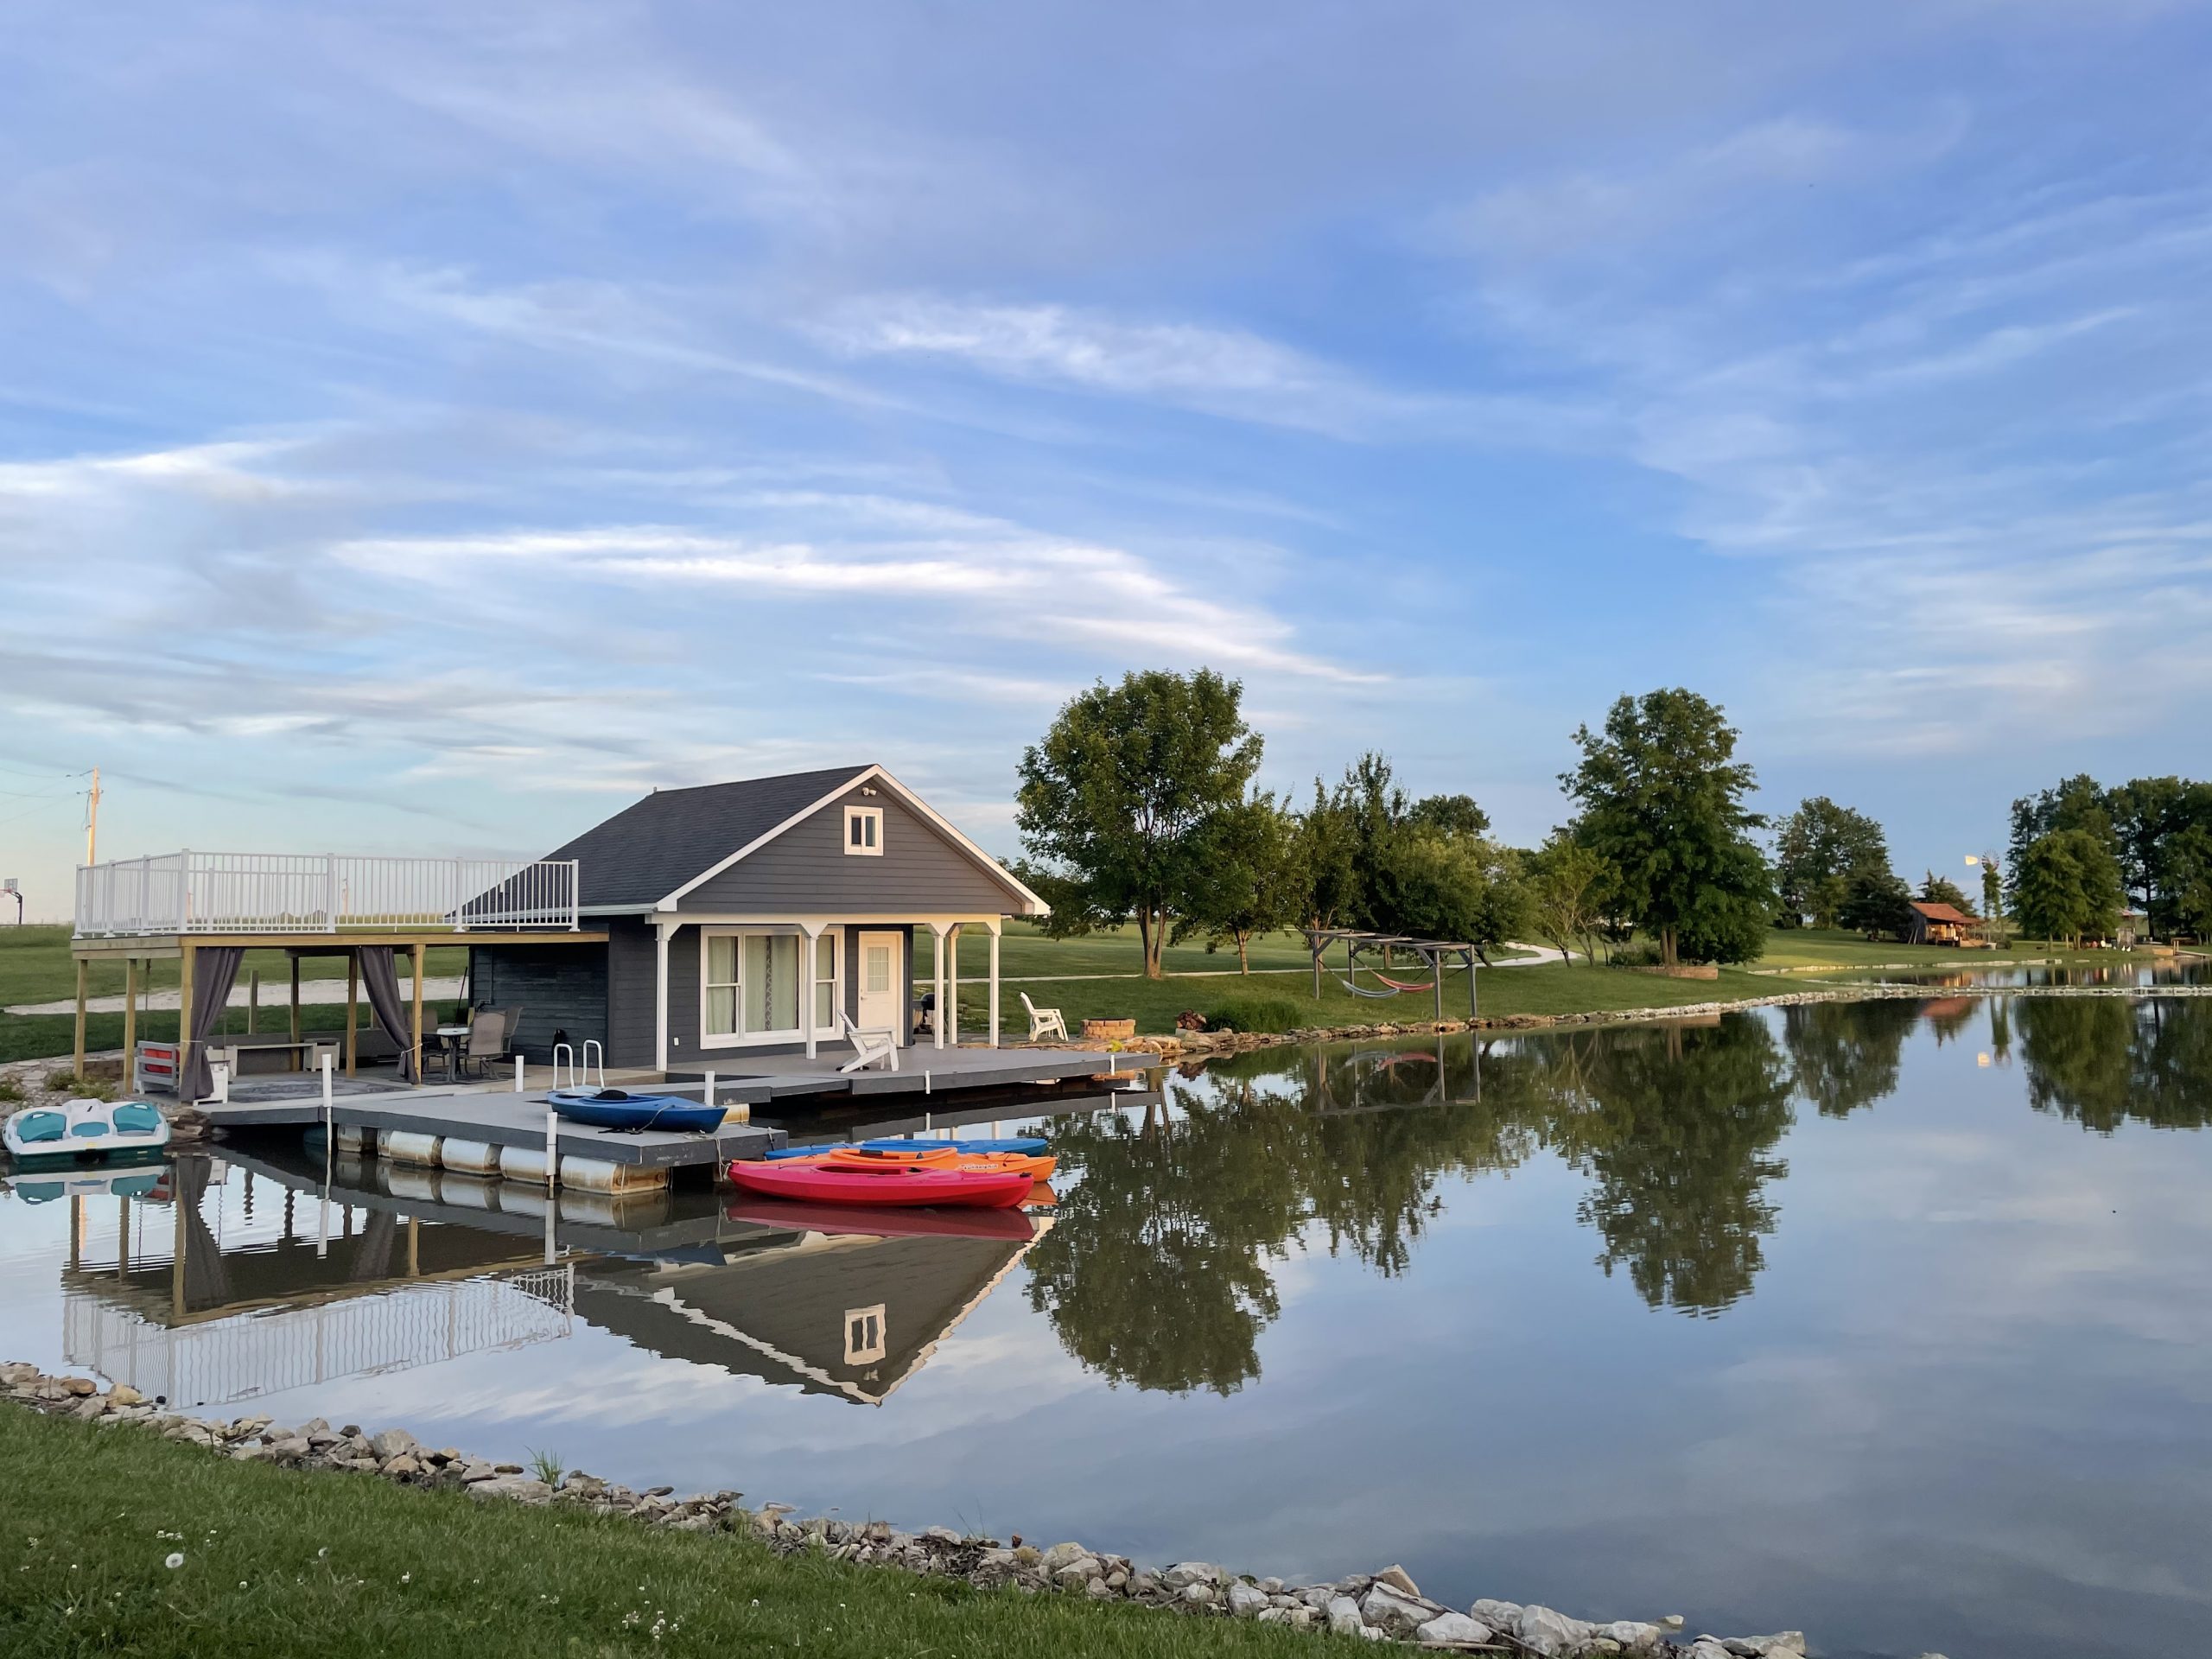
x=883 y=1004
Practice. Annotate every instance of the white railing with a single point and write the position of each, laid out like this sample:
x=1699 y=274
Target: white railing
x=320 y=893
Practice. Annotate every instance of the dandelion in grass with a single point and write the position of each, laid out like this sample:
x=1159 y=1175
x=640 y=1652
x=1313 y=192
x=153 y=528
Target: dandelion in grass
x=175 y=1561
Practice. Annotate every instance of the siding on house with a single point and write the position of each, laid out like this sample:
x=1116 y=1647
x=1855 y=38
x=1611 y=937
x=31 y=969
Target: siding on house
x=630 y=977
x=558 y=988
x=806 y=870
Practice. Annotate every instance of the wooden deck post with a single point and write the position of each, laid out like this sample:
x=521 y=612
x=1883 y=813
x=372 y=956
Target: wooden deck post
x=129 y=1020
x=83 y=967
x=353 y=1007
x=995 y=988
x=421 y=952
x=184 y=1015
x=295 y=955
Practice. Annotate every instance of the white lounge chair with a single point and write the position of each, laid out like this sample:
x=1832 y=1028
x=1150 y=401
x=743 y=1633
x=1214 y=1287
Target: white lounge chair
x=1043 y=1022
x=868 y=1046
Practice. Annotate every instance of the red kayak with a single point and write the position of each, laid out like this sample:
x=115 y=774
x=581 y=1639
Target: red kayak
x=902 y=1184
x=878 y=1223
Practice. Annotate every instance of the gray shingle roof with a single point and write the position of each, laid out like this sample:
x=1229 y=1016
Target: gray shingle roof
x=646 y=851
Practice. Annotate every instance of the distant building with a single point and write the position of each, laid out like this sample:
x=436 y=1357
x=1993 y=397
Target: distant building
x=1938 y=924
x=2133 y=928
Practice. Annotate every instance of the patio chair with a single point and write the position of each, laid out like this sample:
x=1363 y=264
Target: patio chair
x=868 y=1046
x=486 y=1040
x=1043 y=1022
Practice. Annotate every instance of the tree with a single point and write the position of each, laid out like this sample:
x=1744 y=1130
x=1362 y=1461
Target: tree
x=1566 y=886
x=1460 y=887
x=1251 y=882
x=1327 y=854
x=2077 y=803
x=2185 y=880
x=1816 y=847
x=1877 y=902
x=1118 y=799
x=1662 y=803
x=2144 y=811
x=1992 y=888
x=1942 y=890
x=2066 y=886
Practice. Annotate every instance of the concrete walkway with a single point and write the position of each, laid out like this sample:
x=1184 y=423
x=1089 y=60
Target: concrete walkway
x=274 y=998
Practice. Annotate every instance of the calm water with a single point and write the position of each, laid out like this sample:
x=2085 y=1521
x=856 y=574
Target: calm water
x=1888 y=1321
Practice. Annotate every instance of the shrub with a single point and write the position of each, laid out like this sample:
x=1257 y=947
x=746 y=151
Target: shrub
x=11 y=1089
x=1256 y=1014
x=68 y=1083
x=1641 y=954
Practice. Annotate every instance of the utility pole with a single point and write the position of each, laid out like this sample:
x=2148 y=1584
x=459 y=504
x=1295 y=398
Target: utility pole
x=92 y=820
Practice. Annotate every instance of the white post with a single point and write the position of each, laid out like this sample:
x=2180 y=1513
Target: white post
x=995 y=988
x=219 y=1079
x=952 y=984
x=809 y=970
x=552 y=1151
x=329 y=1102
x=518 y=1065
x=660 y=995
x=937 y=987
x=710 y=1089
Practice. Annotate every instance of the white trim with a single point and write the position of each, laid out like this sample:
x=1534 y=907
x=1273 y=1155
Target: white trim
x=661 y=931
x=873 y=774
x=869 y=845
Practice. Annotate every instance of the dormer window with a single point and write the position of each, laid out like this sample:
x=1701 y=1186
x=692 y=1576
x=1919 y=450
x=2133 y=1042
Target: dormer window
x=864 y=831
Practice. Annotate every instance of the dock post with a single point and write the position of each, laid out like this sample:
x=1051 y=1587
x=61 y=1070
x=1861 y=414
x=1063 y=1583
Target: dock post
x=710 y=1089
x=552 y=1152
x=329 y=1102
x=82 y=968
x=518 y=1066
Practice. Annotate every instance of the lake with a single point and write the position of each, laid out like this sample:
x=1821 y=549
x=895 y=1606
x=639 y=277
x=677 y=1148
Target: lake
x=1887 y=1320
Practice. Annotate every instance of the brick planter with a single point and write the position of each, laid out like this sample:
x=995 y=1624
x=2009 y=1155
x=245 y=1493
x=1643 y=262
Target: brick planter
x=1682 y=970
x=1108 y=1031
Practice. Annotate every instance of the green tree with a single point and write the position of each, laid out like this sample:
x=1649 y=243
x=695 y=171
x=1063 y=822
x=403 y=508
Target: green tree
x=2144 y=811
x=2077 y=803
x=1327 y=854
x=1116 y=801
x=1942 y=890
x=1663 y=799
x=2066 y=886
x=1250 y=881
x=1992 y=888
x=1816 y=847
x=2184 y=880
x=1567 y=886
x=1846 y=1055
x=1875 y=902
x=1461 y=887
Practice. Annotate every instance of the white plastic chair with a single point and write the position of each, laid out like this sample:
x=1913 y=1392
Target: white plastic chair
x=868 y=1046
x=1043 y=1022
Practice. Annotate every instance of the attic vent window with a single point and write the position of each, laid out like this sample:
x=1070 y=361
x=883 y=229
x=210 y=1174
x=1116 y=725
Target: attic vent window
x=864 y=1336
x=864 y=831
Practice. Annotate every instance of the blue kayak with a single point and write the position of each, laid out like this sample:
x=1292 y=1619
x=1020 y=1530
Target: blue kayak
x=618 y=1109
x=1028 y=1144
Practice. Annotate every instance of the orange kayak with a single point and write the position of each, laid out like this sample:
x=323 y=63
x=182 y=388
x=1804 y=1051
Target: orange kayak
x=1037 y=1166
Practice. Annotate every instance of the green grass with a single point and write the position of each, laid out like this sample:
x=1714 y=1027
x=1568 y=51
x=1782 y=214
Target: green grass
x=412 y=1573
x=1549 y=988
x=1024 y=953
x=1832 y=947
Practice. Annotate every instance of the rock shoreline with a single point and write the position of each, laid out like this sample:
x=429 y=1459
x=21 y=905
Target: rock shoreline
x=1375 y=1607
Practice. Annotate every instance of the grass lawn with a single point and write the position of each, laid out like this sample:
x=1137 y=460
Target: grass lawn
x=1024 y=953
x=1835 y=947
x=412 y=1573
x=1550 y=987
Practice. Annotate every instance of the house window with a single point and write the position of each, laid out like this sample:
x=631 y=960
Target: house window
x=864 y=1335
x=750 y=985
x=825 y=981
x=864 y=831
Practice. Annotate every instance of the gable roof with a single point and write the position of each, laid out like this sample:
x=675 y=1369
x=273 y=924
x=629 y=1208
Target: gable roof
x=654 y=846
x=1940 y=912
x=652 y=852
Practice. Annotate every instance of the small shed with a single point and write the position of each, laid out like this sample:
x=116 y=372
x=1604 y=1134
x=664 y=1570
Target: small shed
x=1937 y=923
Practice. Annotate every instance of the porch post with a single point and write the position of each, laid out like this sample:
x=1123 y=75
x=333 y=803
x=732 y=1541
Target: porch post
x=353 y=1007
x=660 y=994
x=937 y=985
x=809 y=970
x=130 y=1021
x=421 y=954
x=994 y=986
x=951 y=1020
x=183 y=1013
x=83 y=969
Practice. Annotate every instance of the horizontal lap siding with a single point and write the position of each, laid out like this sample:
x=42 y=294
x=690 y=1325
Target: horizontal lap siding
x=806 y=870
x=558 y=988
x=630 y=975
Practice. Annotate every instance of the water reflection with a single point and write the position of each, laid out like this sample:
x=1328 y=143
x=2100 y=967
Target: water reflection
x=2105 y=1061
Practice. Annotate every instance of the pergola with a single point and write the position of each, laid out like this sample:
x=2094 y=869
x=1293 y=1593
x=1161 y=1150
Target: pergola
x=1357 y=941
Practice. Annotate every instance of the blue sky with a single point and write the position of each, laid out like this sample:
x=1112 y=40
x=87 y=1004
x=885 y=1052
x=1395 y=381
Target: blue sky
x=422 y=428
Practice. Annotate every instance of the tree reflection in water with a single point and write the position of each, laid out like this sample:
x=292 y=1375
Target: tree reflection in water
x=2105 y=1061
x=1160 y=1272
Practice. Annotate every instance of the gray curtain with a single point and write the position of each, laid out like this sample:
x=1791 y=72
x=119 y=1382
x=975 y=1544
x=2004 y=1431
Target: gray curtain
x=207 y=1282
x=380 y=978
x=214 y=970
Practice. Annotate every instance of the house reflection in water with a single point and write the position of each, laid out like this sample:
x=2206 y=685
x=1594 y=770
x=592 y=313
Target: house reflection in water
x=827 y=1301
x=179 y=1283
